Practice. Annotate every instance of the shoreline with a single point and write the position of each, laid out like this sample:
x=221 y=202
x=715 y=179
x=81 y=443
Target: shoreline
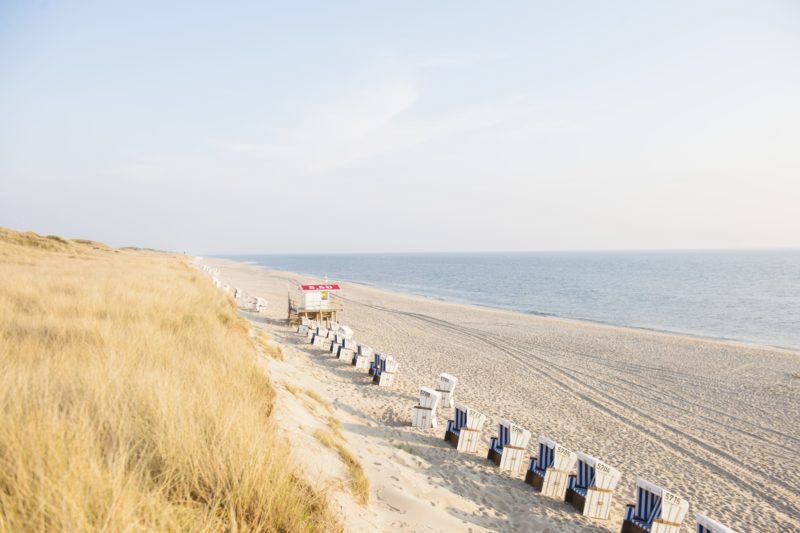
x=402 y=293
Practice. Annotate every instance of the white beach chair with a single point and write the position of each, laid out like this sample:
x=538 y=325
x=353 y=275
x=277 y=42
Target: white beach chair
x=385 y=371
x=344 y=350
x=237 y=292
x=302 y=330
x=549 y=471
x=464 y=431
x=259 y=304
x=319 y=337
x=305 y=321
x=424 y=415
x=362 y=357
x=591 y=490
x=446 y=387
x=507 y=450
x=656 y=510
x=333 y=325
x=706 y=525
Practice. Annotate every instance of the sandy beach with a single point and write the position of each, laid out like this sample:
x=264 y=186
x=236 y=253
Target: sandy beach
x=716 y=422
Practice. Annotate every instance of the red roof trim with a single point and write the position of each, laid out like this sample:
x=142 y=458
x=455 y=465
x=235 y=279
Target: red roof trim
x=328 y=287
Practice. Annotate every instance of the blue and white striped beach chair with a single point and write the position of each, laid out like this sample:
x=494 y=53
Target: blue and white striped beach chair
x=464 y=431
x=507 y=449
x=655 y=511
x=591 y=490
x=385 y=371
x=376 y=362
x=549 y=471
x=424 y=415
x=706 y=525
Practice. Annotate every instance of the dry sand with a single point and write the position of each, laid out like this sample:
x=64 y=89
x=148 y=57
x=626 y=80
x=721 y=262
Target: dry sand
x=715 y=422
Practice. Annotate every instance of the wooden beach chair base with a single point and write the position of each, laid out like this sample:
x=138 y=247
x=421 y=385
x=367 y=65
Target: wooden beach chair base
x=345 y=354
x=466 y=440
x=510 y=459
x=553 y=484
x=632 y=525
x=361 y=361
x=591 y=502
x=423 y=417
x=384 y=379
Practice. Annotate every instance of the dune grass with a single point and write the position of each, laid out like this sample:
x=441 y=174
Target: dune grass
x=269 y=348
x=359 y=484
x=130 y=400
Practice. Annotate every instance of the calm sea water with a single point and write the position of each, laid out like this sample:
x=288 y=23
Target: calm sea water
x=750 y=296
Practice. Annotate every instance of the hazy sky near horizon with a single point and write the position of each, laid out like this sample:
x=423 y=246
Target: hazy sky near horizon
x=411 y=126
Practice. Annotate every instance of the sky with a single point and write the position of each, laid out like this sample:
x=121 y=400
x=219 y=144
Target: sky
x=304 y=127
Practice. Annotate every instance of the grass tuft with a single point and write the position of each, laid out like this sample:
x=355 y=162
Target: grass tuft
x=265 y=343
x=359 y=484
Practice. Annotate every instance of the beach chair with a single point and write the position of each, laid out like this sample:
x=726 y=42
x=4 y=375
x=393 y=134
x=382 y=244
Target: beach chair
x=333 y=325
x=237 y=292
x=336 y=341
x=376 y=362
x=656 y=510
x=361 y=359
x=446 y=387
x=385 y=371
x=591 y=490
x=305 y=321
x=464 y=431
x=549 y=471
x=706 y=525
x=344 y=350
x=259 y=305
x=424 y=415
x=302 y=330
x=319 y=337
x=507 y=449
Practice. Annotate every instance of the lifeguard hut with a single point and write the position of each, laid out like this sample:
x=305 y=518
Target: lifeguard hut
x=314 y=302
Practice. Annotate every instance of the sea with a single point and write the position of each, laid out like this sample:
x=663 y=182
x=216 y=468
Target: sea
x=751 y=296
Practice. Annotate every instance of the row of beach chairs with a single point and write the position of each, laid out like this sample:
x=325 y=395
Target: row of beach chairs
x=557 y=472
x=258 y=304
x=383 y=368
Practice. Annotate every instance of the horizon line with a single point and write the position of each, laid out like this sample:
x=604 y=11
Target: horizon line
x=466 y=252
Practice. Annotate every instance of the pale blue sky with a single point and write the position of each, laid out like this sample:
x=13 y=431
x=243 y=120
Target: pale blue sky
x=406 y=126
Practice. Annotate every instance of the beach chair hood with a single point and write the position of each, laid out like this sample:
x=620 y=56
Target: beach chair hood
x=604 y=476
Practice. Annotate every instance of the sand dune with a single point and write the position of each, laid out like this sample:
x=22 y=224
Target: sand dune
x=715 y=422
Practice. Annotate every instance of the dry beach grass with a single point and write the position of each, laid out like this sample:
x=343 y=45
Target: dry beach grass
x=130 y=399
